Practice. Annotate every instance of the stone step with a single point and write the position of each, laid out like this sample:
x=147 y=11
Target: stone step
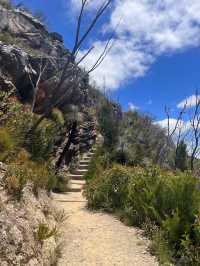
x=74 y=187
x=77 y=182
x=90 y=153
x=85 y=161
x=83 y=166
x=88 y=157
x=80 y=172
x=76 y=177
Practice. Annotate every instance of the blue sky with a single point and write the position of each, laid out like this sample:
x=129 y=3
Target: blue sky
x=156 y=59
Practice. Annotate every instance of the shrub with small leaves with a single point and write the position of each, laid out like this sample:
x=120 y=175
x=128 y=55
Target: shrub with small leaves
x=44 y=232
x=169 y=202
x=22 y=169
x=7 y=143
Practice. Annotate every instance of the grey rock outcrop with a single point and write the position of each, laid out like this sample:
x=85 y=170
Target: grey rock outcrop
x=20 y=23
x=19 y=223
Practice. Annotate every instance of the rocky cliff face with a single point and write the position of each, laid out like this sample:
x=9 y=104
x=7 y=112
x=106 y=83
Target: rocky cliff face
x=20 y=23
x=22 y=242
x=25 y=47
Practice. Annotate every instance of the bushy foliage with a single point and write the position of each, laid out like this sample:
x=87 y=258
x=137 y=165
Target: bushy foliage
x=109 y=123
x=170 y=201
x=44 y=232
x=29 y=152
x=22 y=170
x=58 y=117
x=40 y=143
x=100 y=161
x=7 y=144
x=181 y=156
x=62 y=181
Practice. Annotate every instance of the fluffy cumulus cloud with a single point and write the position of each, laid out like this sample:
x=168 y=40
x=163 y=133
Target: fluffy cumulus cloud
x=172 y=124
x=147 y=29
x=132 y=106
x=121 y=62
x=189 y=102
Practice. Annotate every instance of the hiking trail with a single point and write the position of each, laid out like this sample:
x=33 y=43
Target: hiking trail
x=97 y=238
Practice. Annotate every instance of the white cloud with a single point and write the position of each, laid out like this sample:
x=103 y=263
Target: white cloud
x=189 y=102
x=164 y=123
x=148 y=29
x=185 y=126
x=132 y=106
x=121 y=63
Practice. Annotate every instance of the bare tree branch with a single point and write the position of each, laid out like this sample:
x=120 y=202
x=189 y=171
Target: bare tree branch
x=102 y=55
x=85 y=55
x=99 y=13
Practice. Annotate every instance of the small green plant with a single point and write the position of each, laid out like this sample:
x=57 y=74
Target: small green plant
x=58 y=117
x=15 y=179
x=22 y=169
x=7 y=143
x=100 y=161
x=60 y=216
x=160 y=248
x=62 y=181
x=44 y=232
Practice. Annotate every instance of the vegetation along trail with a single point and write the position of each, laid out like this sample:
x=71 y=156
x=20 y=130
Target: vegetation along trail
x=96 y=238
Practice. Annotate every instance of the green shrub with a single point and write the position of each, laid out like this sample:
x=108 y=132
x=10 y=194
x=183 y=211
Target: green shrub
x=169 y=201
x=7 y=143
x=61 y=184
x=109 y=189
x=22 y=169
x=100 y=161
x=40 y=143
x=60 y=216
x=109 y=123
x=44 y=232
x=58 y=117
x=15 y=179
x=159 y=247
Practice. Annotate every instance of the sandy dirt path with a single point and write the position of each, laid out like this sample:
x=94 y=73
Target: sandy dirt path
x=98 y=239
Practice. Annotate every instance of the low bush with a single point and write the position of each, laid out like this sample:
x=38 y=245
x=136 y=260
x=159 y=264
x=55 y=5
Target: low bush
x=7 y=143
x=44 y=232
x=40 y=143
x=100 y=161
x=61 y=184
x=169 y=201
x=22 y=170
x=28 y=152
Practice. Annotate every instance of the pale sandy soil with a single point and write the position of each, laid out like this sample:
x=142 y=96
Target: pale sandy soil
x=98 y=239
